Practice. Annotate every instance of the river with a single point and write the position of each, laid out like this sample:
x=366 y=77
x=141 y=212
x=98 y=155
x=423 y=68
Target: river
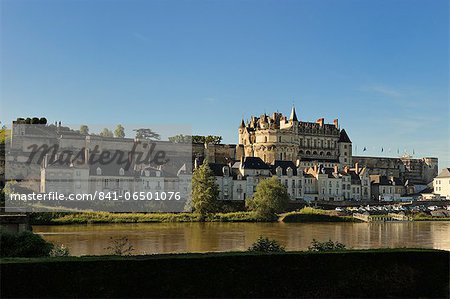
x=152 y=238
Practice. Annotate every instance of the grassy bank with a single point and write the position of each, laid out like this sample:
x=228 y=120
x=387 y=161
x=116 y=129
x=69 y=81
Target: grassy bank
x=106 y=217
x=308 y=214
x=372 y=273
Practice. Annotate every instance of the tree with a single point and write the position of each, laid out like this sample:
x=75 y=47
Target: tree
x=43 y=121
x=84 y=130
x=270 y=198
x=205 y=191
x=119 y=132
x=106 y=133
x=35 y=120
x=207 y=139
x=146 y=134
x=181 y=139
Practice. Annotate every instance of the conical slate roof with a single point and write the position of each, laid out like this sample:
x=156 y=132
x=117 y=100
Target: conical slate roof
x=343 y=137
x=293 y=116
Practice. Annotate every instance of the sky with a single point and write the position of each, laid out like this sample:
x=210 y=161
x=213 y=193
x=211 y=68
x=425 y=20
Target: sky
x=381 y=67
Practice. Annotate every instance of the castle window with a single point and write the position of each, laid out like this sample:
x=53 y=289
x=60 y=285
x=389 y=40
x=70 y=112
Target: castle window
x=99 y=171
x=265 y=138
x=279 y=139
x=121 y=171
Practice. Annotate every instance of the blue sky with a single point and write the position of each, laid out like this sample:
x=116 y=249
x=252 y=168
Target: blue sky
x=381 y=67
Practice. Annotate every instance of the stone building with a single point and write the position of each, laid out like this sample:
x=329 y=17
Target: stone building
x=441 y=184
x=278 y=137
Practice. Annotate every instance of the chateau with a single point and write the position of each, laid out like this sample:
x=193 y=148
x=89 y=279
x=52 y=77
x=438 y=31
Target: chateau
x=278 y=137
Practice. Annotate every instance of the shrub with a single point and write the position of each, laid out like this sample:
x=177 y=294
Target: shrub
x=329 y=245
x=264 y=244
x=23 y=244
x=60 y=250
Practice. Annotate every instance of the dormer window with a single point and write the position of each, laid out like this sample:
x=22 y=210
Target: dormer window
x=289 y=171
x=99 y=171
x=225 y=171
x=279 y=171
x=121 y=171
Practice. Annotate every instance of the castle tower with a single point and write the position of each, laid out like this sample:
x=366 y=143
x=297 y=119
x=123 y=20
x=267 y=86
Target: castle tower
x=345 y=149
x=241 y=130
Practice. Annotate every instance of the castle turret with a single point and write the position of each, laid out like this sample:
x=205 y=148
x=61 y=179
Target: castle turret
x=345 y=149
x=293 y=116
x=241 y=130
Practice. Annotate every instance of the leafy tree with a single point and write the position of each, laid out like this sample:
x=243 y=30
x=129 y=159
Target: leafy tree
x=266 y=245
x=4 y=132
x=43 y=121
x=205 y=190
x=207 y=139
x=35 y=121
x=28 y=121
x=147 y=134
x=181 y=138
x=84 y=130
x=119 y=132
x=270 y=198
x=106 y=133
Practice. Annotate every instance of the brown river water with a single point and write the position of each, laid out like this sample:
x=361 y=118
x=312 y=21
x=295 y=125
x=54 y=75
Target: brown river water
x=93 y=239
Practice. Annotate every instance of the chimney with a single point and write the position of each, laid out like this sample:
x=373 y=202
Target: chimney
x=346 y=169
x=86 y=155
x=315 y=168
x=45 y=164
x=335 y=168
x=196 y=163
x=320 y=121
x=336 y=123
x=357 y=167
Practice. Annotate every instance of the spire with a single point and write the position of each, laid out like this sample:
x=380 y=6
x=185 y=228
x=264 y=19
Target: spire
x=293 y=116
x=242 y=124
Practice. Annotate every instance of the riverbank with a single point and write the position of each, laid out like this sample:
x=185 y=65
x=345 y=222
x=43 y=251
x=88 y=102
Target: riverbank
x=303 y=215
x=356 y=273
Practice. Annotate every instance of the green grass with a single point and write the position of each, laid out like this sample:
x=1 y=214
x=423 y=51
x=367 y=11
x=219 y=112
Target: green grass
x=308 y=214
x=106 y=217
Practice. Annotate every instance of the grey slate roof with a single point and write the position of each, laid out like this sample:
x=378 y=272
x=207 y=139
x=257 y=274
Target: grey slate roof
x=284 y=166
x=343 y=137
x=445 y=173
x=254 y=163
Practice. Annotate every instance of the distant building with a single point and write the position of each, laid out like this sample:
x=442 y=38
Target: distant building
x=387 y=188
x=441 y=183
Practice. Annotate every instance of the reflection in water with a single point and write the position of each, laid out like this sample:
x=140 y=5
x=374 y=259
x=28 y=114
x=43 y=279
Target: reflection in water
x=202 y=237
